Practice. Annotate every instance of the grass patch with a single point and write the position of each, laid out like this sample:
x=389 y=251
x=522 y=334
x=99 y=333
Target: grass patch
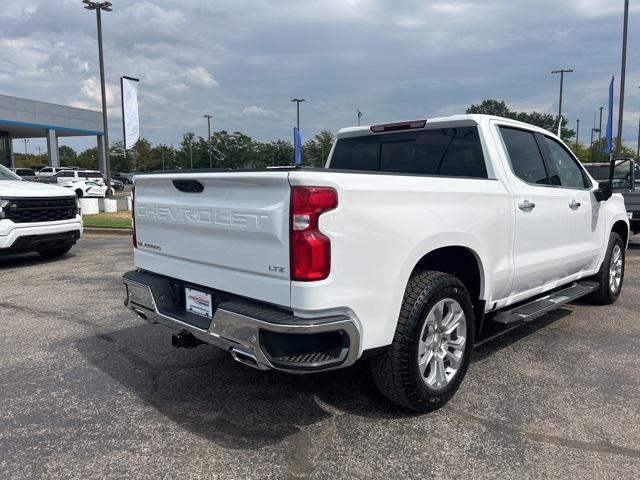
x=108 y=220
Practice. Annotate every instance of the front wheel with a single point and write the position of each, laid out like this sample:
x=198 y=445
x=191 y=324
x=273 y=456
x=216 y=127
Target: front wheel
x=611 y=273
x=79 y=193
x=429 y=356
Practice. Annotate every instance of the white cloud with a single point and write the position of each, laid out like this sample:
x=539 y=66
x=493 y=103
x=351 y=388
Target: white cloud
x=91 y=96
x=258 y=112
x=391 y=59
x=200 y=76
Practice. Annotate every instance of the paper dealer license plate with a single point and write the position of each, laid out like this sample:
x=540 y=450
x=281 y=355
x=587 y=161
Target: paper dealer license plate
x=198 y=302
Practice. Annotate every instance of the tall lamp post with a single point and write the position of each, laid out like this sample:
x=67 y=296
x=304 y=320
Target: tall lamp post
x=638 y=148
x=359 y=115
x=208 y=117
x=99 y=7
x=593 y=130
x=623 y=70
x=562 y=71
x=577 y=133
x=298 y=102
x=600 y=135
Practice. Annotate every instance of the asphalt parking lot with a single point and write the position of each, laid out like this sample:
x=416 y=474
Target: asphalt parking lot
x=89 y=391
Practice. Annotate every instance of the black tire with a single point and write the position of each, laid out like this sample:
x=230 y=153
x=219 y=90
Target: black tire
x=605 y=295
x=396 y=372
x=54 y=252
x=79 y=193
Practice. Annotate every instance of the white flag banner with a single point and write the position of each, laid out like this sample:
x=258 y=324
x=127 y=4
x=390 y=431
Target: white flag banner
x=130 y=117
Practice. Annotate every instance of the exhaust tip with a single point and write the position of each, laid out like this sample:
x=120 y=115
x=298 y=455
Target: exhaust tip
x=245 y=358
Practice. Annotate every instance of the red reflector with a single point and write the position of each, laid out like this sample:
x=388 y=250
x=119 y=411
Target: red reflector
x=310 y=249
x=392 y=127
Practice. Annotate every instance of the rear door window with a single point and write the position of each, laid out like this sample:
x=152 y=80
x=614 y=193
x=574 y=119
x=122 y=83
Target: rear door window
x=452 y=152
x=524 y=155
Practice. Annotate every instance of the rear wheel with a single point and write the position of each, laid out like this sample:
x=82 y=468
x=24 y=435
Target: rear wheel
x=54 y=252
x=429 y=356
x=611 y=273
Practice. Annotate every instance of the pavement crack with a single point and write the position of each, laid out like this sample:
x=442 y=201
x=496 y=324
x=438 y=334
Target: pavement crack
x=596 y=447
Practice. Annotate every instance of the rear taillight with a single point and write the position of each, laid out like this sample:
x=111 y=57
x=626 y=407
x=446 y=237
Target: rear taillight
x=310 y=249
x=133 y=216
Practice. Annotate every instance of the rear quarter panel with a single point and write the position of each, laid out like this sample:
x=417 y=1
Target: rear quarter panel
x=384 y=224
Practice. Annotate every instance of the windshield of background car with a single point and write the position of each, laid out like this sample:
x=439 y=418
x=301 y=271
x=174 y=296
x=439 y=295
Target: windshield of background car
x=6 y=174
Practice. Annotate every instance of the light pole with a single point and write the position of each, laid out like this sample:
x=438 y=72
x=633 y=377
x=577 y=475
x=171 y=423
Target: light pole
x=623 y=70
x=638 y=149
x=359 y=116
x=593 y=130
x=191 y=151
x=99 y=7
x=562 y=71
x=298 y=102
x=577 y=133
x=600 y=134
x=208 y=117
x=25 y=141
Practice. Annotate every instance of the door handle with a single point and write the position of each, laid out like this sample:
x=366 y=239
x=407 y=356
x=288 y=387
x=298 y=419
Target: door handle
x=573 y=205
x=526 y=205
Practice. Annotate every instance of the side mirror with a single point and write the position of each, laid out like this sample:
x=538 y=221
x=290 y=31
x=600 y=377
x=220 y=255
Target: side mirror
x=622 y=175
x=621 y=179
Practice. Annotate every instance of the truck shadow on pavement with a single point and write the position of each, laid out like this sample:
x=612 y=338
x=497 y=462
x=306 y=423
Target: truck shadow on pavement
x=29 y=259
x=205 y=391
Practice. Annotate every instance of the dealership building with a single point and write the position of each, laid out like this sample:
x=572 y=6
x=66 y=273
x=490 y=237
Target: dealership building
x=23 y=118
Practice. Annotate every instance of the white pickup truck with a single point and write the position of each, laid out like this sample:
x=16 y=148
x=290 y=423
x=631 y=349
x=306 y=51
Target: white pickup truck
x=413 y=240
x=36 y=218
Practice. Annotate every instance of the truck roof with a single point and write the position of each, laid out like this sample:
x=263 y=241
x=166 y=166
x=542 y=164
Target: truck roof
x=463 y=119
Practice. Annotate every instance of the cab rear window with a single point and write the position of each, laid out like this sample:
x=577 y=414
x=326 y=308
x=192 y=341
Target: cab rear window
x=451 y=152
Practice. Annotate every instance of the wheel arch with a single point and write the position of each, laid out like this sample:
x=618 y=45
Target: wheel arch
x=621 y=228
x=459 y=261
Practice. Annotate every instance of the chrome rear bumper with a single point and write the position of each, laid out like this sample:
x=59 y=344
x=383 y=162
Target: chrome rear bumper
x=258 y=335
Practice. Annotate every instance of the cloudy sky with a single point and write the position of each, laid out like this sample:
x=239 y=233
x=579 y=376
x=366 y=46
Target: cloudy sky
x=243 y=60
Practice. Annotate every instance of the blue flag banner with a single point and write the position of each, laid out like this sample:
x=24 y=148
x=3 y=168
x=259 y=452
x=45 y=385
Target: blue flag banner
x=297 y=145
x=608 y=139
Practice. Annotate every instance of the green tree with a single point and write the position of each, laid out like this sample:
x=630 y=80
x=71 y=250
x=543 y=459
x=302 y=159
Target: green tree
x=543 y=120
x=492 y=107
x=67 y=151
x=276 y=153
x=87 y=159
x=316 y=150
x=165 y=155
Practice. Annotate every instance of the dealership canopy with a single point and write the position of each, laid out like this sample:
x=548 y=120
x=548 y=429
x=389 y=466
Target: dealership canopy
x=23 y=118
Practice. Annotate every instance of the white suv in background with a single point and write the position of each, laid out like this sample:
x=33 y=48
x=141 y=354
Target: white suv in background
x=36 y=218
x=51 y=171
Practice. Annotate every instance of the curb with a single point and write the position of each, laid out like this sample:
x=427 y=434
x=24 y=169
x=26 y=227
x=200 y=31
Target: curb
x=108 y=231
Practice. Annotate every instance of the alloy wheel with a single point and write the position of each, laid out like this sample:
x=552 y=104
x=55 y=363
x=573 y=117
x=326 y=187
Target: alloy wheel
x=442 y=344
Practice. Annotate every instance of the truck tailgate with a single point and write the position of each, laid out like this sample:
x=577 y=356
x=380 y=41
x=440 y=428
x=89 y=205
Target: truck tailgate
x=233 y=235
